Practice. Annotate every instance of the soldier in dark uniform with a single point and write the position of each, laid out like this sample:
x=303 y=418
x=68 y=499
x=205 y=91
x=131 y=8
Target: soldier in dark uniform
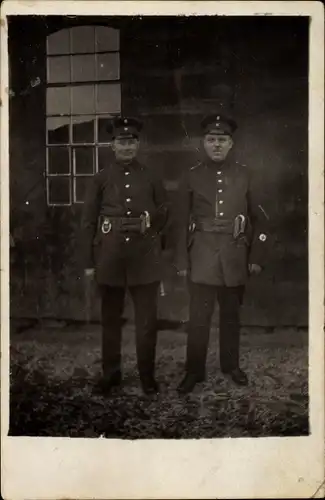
x=124 y=214
x=221 y=242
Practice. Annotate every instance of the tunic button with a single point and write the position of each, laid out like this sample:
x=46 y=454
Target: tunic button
x=128 y=212
x=219 y=180
x=128 y=200
x=126 y=173
x=127 y=239
x=219 y=173
x=219 y=190
x=127 y=185
x=221 y=213
x=221 y=202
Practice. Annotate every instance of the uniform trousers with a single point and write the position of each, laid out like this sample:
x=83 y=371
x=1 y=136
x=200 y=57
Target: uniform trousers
x=144 y=298
x=202 y=302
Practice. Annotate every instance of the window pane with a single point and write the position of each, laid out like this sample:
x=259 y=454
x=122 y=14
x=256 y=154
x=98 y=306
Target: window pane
x=108 y=66
x=105 y=128
x=58 y=69
x=80 y=188
x=105 y=157
x=83 y=39
x=84 y=160
x=58 y=160
x=58 y=190
x=109 y=98
x=58 y=101
x=107 y=39
x=83 y=99
x=58 y=130
x=59 y=42
x=83 y=129
x=83 y=68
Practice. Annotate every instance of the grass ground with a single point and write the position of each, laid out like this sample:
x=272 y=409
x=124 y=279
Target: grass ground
x=53 y=373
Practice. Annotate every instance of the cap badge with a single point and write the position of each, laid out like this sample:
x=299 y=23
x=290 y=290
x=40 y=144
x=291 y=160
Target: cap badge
x=262 y=237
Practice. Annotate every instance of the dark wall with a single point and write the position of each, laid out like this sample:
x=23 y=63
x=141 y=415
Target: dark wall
x=173 y=72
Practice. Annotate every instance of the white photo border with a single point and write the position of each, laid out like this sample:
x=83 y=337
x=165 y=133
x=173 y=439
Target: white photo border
x=284 y=467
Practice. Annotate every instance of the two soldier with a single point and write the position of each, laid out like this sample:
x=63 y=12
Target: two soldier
x=221 y=240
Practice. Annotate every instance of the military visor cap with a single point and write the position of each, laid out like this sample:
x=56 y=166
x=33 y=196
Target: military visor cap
x=126 y=128
x=218 y=124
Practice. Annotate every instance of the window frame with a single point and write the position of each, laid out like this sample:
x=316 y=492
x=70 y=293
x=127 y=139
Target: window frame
x=72 y=146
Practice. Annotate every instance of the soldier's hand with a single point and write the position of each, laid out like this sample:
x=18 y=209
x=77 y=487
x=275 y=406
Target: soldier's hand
x=90 y=272
x=254 y=268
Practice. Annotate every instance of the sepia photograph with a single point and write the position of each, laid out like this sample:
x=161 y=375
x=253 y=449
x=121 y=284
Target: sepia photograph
x=158 y=226
x=162 y=249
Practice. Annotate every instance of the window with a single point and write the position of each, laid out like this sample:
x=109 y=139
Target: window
x=83 y=94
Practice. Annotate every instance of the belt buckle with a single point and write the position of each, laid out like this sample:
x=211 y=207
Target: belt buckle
x=239 y=225
x=192 y=227
x=145 y=222
x=106 y=226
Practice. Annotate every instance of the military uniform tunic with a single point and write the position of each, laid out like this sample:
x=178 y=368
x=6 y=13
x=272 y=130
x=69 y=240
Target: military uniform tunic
x=219 y=193
x=122 y=258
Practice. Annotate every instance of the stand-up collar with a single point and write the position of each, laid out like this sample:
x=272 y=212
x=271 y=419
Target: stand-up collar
x=220 y=165
x=217 y=165
x=126 y=165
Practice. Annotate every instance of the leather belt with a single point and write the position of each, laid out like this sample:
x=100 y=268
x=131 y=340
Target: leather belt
x=123 y=224
x=215 y=226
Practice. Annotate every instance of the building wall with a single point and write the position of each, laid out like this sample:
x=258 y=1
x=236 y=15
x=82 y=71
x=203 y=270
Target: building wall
x=171 y=76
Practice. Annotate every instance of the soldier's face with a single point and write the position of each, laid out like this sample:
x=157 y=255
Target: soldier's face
x=217 y=146
x=125 y=148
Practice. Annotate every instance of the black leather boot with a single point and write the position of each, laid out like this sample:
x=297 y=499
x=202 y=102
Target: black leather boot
x=238 y=376
x=188 y=383
x=149 y=386
x=106 y=384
